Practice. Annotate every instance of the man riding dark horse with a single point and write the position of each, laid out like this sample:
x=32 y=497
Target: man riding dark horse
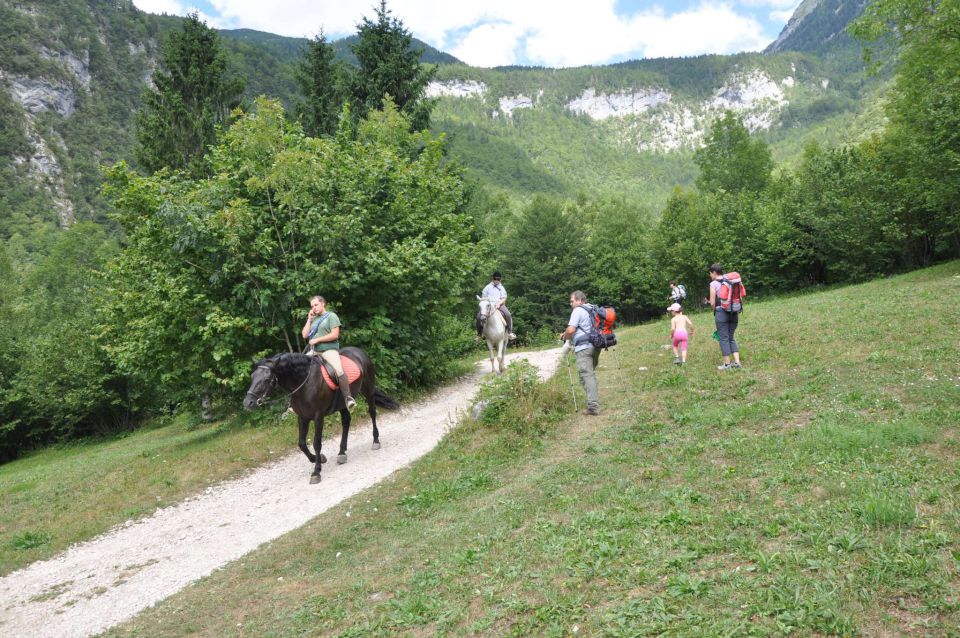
x=322 y=332
x=497 y=294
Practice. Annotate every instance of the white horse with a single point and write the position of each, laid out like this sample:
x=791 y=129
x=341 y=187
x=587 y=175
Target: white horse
x=494 y=331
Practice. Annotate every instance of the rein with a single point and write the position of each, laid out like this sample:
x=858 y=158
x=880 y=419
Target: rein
x=273 y=384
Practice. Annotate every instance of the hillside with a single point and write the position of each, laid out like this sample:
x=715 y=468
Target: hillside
x=811 y=493
x=72 y=74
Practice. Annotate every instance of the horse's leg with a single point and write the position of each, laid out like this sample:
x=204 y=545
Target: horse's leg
x=493 y=367
x=317 y=442
x=304 y=425
x=345 y=423
x=368 y=394
x=502 y=351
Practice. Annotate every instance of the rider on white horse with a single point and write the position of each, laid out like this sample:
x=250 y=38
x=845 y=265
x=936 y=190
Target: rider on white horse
x=497 y=294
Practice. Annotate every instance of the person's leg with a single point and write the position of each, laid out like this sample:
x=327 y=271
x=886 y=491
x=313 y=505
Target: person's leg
x=723 y=332
x=509 y=318
x=734 y=348
x=683 y=351
x=333 y=358
x=588 y=379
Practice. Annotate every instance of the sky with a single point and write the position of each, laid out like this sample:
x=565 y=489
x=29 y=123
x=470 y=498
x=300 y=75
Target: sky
x=551 y=33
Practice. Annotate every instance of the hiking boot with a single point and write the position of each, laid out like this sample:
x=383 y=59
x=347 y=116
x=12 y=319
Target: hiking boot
x=345 y=390
x=591 y=412
x=676 y=361
x=725 y=366
x=513 y=337
x=735 y=366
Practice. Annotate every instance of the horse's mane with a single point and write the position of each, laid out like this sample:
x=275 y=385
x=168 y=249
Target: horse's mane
x=288 y=365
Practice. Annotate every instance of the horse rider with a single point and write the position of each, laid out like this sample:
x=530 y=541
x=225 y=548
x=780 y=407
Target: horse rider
x=495 y=292
x=322 y=332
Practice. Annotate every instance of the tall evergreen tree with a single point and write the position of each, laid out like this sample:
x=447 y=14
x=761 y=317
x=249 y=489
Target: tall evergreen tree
x=323 y=83
x=387 y=65
x=193 y=94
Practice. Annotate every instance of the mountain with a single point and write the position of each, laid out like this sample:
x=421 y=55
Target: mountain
x=818 y=26
x=72 y=74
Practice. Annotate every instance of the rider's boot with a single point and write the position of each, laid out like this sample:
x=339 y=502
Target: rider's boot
x=345 y=390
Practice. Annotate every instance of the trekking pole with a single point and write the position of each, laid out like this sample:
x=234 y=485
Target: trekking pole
x=616 y=356
x=573 y=391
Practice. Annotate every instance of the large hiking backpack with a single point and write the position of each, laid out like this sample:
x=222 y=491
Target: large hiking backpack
x=732 y=292
x=602 y=320
x=679 y=294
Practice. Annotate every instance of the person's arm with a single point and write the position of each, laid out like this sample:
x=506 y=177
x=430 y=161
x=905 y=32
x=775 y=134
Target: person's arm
x=713 y=297
x=306 y=327
x=503 y=299
x=690 y=324
x=333 y=335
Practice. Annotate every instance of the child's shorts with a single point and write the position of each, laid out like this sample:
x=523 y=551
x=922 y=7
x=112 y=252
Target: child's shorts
x=680 y=339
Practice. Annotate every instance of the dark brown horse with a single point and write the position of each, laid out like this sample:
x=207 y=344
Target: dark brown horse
x=300 y=377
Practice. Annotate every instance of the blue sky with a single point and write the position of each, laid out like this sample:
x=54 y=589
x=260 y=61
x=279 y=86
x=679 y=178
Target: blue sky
x=553 y=33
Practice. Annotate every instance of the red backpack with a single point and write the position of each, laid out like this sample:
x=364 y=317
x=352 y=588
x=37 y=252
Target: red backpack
x=603 y=319
x=731 y=293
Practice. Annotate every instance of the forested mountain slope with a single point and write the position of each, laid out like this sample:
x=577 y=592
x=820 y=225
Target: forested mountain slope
x=72 y=75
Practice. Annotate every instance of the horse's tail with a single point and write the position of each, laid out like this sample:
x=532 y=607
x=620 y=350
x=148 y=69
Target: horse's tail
x=384 y=401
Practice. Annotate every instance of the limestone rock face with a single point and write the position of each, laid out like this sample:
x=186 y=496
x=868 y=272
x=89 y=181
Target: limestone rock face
x=603 y=106
x=456 y=88
x=40 y=94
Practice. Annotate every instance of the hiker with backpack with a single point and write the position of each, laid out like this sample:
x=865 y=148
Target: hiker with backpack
x=678 y=292
x=579 y=329
x=726 y=298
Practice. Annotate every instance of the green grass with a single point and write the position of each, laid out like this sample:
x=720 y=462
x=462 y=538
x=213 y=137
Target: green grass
x=813 y=493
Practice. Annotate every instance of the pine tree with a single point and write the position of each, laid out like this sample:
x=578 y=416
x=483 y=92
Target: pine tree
x=387 y=65
x=192 y=95
x=322 y=81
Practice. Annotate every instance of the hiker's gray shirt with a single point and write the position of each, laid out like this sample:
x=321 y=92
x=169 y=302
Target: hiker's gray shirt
x=580 y=319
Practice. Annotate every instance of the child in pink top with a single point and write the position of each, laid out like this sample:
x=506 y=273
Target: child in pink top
x=681 y=330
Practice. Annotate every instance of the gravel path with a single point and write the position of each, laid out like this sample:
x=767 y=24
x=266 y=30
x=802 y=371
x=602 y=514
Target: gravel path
x=97 y=584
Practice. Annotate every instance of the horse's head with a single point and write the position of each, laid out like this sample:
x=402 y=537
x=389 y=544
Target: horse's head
x=486 y=307
x=263 y=380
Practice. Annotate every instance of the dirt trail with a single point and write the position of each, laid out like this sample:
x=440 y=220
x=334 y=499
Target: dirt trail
x=97 y=584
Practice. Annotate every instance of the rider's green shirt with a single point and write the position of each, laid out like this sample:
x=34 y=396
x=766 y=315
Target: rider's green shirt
x=322 y=326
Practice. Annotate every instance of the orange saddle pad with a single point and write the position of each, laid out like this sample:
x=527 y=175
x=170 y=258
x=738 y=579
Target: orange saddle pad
x=350 y=368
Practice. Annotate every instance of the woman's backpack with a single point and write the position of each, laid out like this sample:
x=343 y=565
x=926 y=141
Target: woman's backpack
x=732 y=292
x=679 y=294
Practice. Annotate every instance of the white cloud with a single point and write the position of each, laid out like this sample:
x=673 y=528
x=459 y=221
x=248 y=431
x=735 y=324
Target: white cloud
x=489 y=45
x=171 y=7
x=497 y=32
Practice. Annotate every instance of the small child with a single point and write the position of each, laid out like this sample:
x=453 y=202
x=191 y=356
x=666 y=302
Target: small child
x=679 y=333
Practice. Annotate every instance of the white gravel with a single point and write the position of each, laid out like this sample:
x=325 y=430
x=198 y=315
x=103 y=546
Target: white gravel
x=99 y=583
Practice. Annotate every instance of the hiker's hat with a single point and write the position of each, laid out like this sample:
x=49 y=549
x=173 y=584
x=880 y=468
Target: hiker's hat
x=674 y=307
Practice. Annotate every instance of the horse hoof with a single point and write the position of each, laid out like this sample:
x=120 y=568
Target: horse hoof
x=315 y=478
x=341 y=459
x=323 y=458
x=376 y=445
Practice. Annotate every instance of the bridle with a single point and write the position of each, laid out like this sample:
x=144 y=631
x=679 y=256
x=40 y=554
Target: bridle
x=260 y=400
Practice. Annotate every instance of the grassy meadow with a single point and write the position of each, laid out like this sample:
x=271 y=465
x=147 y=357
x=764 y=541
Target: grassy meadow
x=815 y=492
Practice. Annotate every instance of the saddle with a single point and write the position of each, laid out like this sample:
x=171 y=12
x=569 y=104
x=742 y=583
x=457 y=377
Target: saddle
x=487 y=318
x=350 y=368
